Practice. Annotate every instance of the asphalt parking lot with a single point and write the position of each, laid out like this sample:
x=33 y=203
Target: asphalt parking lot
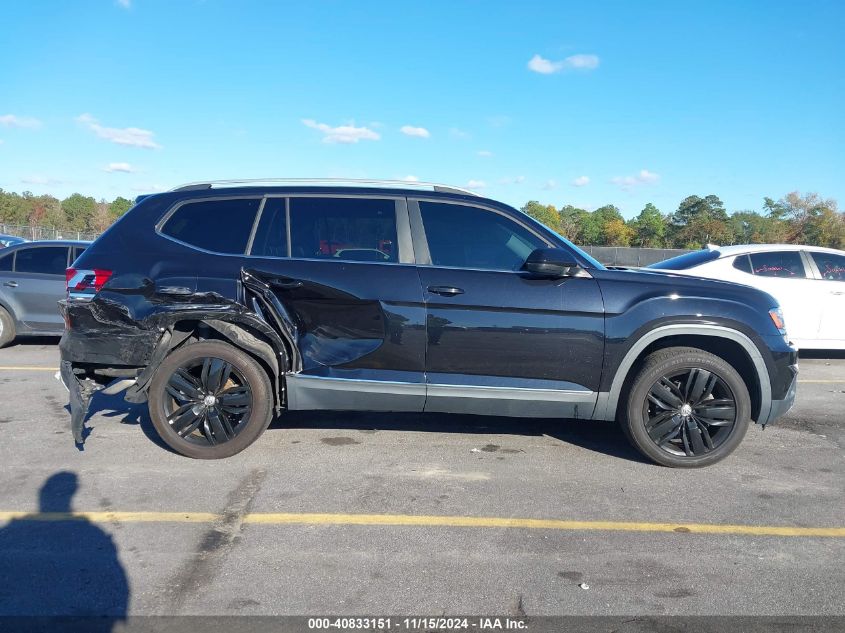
x=425 y=514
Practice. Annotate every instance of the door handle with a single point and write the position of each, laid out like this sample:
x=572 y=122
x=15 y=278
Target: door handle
x=11 y=284
x=446 y=291
x=289 y=284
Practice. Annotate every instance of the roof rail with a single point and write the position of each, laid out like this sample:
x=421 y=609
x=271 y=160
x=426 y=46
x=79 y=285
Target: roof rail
x=346 y=182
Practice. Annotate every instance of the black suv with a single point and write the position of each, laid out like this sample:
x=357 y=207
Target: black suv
x=223 y=303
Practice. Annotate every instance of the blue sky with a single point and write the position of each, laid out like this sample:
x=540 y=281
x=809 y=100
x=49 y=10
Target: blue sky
x=582 y=103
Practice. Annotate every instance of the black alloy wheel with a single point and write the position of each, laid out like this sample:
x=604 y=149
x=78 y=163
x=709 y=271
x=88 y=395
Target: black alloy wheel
x=210 y=400
x=685 y=408
x=689 y=412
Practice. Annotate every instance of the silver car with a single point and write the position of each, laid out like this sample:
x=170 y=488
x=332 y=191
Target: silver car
x=32 y=281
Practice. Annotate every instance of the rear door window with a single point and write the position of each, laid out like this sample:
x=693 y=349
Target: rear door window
x=6 y=261
x=46 y=260
x=351 y=229
x=271 y=236
x=786 y=264
x=220 y=226
x=831 y=267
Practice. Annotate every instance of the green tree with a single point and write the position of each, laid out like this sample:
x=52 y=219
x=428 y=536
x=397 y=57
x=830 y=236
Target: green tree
x=545 y=213
x=118 y=207
x=649 y=227
x=572 y=221
x=79 y=211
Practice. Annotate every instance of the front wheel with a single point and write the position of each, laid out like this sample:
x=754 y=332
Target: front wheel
x=686 y=408
x=210 y=400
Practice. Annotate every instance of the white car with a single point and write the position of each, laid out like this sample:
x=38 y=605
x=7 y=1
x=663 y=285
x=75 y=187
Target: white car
x=807 y=281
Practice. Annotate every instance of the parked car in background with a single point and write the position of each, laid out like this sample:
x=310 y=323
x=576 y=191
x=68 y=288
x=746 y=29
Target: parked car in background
x=807 y=281
x=9 y=240
x=32 y=281
x=222 y=304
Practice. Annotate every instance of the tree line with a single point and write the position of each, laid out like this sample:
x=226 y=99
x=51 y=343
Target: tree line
x=698 y=221
x=794 y=218
x=74 y=213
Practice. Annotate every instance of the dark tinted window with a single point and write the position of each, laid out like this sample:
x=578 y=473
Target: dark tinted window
x=831 y=267
x=271 y=236
x=687 y=260
x=222 y=226
x=743 y=263
x=468 y=237
x=356 y=229
x=77 y=251
x=6 y=261
x=778 y=264
x=50 y=260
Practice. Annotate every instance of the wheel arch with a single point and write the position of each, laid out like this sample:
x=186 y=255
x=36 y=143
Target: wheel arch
x=729 y=344
x=254 y=338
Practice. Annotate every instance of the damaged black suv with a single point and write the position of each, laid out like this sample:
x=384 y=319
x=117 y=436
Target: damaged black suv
x=224 y=304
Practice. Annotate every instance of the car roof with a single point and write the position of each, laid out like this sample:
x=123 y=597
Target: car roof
x=48 y=243
x=742 y=249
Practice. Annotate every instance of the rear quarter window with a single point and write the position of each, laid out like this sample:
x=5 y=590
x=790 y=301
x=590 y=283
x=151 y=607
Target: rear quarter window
x=220 y=226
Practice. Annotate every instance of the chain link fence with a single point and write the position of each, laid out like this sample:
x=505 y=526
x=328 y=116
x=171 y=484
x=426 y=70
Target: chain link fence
x=45 y=232
x=631 y=256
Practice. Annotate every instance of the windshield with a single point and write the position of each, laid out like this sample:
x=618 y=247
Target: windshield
x=687 y=260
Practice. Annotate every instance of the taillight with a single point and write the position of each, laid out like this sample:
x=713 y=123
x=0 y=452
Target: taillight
x=84 y=284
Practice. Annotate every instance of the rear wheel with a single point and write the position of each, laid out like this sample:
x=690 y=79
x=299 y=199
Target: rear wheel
x=686 y=408
x=210 y=400
x=7 y=328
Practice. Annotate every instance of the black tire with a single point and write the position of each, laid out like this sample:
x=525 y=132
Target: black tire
x=7 y=328
x=686 y=408
x=241 y=405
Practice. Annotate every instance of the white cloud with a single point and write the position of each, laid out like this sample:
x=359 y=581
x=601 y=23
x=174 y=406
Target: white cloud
x=126 y=4
x=133 y=136
x=518 y=180
x=545 y=66
x=11 y=120
x=458 y=133
x=344 y=134
x=485 y=153
x=550 y=184
x=126 y=168
x=476 y=184
x=581 y=181
x=419 y=132
x=40 y=180
x=645 y=177
x=410 y=178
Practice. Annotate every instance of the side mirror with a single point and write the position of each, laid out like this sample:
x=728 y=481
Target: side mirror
x=552 y=263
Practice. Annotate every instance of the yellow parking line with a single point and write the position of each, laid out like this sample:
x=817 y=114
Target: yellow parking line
x=27 y=368
x=409 y=520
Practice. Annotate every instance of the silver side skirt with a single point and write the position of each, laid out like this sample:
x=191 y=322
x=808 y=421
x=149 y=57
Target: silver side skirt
x=318 y=392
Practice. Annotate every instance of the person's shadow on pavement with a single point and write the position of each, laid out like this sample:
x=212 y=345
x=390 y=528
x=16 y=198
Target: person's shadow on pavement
x=53 y=565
